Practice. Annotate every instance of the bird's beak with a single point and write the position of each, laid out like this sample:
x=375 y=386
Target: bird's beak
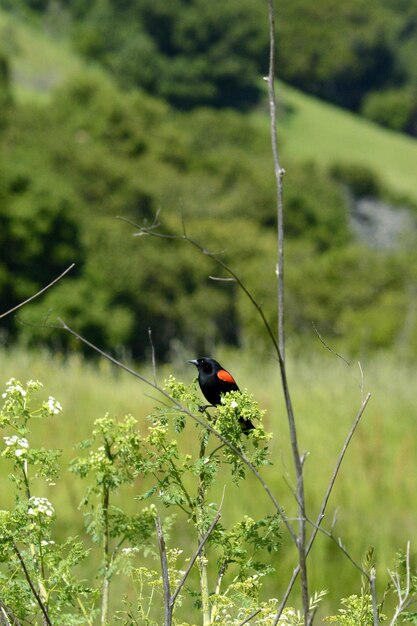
x=193 y=361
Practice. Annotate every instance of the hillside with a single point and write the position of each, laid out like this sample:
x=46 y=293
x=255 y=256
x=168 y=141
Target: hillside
x=310 y=130
x=39 y=61
x=77 y=151
x=314 y=130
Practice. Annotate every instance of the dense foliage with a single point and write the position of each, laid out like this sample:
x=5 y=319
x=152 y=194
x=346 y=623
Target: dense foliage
x=358 y=55
x=70 y=167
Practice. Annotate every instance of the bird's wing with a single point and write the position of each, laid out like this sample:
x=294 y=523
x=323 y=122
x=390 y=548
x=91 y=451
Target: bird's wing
x=228 y=378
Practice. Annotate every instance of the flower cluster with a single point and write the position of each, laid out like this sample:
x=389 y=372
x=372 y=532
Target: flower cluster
x=40 y=507
x=52 y=406
x=17 y=445
x=14 y=387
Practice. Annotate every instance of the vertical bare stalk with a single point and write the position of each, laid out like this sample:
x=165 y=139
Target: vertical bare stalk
x=106 y=557
x=202 y=559
x=316 y=526
x=279 y=174
x=165 y=573
x=373 y=596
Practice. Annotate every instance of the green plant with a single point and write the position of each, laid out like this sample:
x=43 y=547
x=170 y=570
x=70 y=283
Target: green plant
x=37 y=574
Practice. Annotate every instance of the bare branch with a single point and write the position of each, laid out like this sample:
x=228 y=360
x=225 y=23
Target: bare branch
x=165 y=572
x=327 y=346
x=323 y=507
x=279 y=175
x=404 y=597
x=32 y=586
x=151 y=230
x=194 y=558
x=337 y=467
x=251 y=616
x=38 y=293
x=372 y=579
x=152 y=355
x=7 y=618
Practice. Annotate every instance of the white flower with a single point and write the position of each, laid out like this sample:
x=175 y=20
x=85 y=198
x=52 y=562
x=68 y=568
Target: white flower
x=52 y=406
x=233 y=404
x=131 y=550
x=13 y=386
x=33 y=384
x=11 y=441
x=40 y=506
x=20 y=443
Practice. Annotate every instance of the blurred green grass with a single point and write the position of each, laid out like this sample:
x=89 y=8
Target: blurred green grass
x=374 y=493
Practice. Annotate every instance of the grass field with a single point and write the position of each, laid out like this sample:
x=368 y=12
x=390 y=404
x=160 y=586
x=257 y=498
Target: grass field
x=374 y=494
x=316 y=131
x=310 y=130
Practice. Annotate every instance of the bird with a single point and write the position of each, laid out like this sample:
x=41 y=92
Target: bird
x=215 y=381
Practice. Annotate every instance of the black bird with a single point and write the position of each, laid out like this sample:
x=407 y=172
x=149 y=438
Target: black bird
x=214 y=381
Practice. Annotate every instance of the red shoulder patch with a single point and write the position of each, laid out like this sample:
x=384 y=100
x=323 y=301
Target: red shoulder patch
x=223 y=375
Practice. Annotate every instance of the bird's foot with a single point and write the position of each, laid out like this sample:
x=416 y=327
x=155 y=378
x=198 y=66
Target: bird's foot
x=203 y=407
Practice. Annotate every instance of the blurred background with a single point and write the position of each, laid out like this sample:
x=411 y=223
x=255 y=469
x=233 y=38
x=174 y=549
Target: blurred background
x=147 y=108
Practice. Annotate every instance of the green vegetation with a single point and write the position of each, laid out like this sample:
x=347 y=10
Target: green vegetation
x=379 y=466
x=90 y=153
x=192 y=53
x=39 y=62
x=85 y=152
x=315 y=131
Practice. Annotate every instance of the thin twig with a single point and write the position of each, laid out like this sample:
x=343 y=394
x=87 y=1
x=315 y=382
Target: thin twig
x=151 y=231
x=165 y=572
x=327 y=346
x=337 y=466
x=372 y=580
x=31 y=585
x=152 y=355
x=323 y=507
x=251 y=616
x=404 y=599
x=362 y=379
x=38 y=293
x=279 y=175
x=7 y=617
x=194 y=558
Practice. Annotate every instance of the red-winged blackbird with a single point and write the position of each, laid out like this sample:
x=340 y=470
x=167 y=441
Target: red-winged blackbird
x=214 y=381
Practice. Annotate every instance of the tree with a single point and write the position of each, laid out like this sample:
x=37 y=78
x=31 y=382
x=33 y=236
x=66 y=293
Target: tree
x=189 y=53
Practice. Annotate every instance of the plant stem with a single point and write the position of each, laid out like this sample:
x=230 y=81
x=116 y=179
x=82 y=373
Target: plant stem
x=202 y=560
x=106 y=557
x=165 y=573
x=106 y=541
x=37 y=562
x=279 y=174
x=38 y=597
